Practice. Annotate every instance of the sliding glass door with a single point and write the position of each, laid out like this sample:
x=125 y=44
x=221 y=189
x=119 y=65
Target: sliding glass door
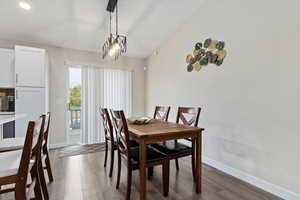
x=91 y=88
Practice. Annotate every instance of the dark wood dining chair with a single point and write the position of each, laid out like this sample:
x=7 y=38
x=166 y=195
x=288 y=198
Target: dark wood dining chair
x=109 y=138
x=29 y=164
x=131 y=155
x=175 y=149
x=162 y=113
x=114 y=123
x=45 y=151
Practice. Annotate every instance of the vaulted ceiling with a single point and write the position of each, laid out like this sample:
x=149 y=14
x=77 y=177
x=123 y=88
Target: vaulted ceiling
x=83 y=24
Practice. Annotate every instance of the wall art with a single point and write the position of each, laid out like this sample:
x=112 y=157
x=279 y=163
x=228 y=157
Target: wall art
x=209 y=52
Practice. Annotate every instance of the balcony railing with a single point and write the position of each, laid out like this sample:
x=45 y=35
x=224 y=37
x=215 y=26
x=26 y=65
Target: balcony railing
x=75 y=117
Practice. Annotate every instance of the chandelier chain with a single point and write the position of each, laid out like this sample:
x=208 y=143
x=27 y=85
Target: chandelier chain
x=117 y=19
x=110 y=23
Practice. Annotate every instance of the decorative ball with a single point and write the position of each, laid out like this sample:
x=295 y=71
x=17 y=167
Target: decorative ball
x=204 y=61
x=214 y=58
x=208 y=54
x=212 y=45
x=221 y=54
x=197 y=67
x=188 y=58
x=207 y=42
x=196 y=52
x=190 y=68
x=219 y=62
x=198 y=57
x=220 y=45
x=193 y=60
x=198 y=46
x=202 y=52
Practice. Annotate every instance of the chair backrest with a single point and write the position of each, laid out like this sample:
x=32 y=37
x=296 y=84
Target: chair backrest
x=107 y=124
x=162 y=113
x=31 y=155
x=40 y=133
x=27 y=151
x=46 y=129
x=122 y=133
x=188 y=116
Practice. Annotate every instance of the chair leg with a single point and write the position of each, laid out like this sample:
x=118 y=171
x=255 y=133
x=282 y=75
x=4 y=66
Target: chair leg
x=176 y=160
x=37 y=188
x=20 y=192
x=119 y=170
x=106 y=151
x=129 y=179
x=112 y=153
x=42 y=181
x=48 y=166
x=150 y=172
x=193 y=160
x=166 y=177
x=177 y=164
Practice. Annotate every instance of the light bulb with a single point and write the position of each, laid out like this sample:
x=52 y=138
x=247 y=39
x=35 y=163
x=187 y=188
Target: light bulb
x=25 y=5
x=111 y=52
x=115 y=47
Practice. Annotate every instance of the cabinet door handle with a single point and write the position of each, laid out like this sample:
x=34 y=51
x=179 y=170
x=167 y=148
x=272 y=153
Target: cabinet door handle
x=17 y=78
x=17 y=96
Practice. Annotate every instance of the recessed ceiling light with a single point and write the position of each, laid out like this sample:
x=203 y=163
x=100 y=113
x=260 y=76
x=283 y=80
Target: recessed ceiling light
x=25 y=5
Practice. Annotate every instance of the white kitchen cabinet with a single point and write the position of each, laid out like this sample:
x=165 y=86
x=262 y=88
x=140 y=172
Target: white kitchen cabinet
x=29 y=67
x=7 y=68
x=31 y=102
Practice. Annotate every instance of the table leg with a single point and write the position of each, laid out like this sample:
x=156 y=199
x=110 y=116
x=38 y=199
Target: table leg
x=142 y=170
x=198 y=163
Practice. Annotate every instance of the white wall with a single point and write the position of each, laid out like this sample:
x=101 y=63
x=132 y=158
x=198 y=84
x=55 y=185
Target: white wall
x=59 y=59
x=250 y=104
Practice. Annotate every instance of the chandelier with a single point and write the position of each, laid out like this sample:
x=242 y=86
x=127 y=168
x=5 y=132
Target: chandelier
x=115 y=44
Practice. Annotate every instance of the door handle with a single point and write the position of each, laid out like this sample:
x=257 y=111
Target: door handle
x=17 y=78
x=17 y=96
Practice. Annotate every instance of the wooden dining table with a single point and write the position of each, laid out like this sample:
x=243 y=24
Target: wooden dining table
x=160 y=131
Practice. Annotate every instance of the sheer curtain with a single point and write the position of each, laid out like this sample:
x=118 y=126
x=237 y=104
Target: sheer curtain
x=101 y=87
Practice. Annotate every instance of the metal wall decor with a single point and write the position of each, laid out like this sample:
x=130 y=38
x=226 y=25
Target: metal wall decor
x=115 y=44
x=210 y=52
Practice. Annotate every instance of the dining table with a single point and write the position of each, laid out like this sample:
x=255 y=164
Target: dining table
x=161 y=131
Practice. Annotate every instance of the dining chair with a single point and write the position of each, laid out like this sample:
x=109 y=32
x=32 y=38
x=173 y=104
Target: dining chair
x=109 y=138
x=162 y=113
x=18 y=164
x=133 y=143
x=174 y=149
x=45 y=151
x=131 y=155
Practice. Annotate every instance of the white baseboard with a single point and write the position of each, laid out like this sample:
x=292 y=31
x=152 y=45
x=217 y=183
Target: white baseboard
x=55 y=146
x=269 y=187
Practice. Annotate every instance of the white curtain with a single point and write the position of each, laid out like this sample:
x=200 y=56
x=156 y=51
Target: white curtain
x=107 y=88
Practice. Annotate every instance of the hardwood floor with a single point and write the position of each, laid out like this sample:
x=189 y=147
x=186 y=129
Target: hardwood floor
x=83 y=177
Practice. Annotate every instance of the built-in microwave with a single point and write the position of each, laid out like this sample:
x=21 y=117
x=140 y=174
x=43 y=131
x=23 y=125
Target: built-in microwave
x=7 y=100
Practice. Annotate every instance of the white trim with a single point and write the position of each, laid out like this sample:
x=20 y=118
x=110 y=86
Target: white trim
x=56 y=146
x=269 y=187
